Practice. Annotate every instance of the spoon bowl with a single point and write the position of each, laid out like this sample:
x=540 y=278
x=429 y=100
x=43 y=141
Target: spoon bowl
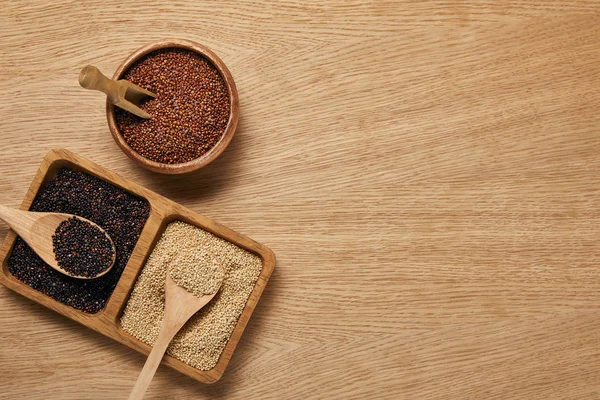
x=37 y=229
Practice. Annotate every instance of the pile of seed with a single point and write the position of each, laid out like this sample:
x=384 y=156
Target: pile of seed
x=119 y=213
x=189 y=114
x=202 y=340
x=199 y=272
x=82 y=249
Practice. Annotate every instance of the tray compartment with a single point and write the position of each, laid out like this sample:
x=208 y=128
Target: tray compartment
x=50 y=167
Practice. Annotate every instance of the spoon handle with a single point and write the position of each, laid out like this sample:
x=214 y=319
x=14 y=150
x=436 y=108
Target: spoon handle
x=7 y=215
x=151 y=365
x=19 y=221
x=91 y=78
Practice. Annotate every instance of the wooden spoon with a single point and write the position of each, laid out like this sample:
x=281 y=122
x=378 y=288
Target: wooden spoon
x=37 y=228
x=180 y=306
x=121 y=93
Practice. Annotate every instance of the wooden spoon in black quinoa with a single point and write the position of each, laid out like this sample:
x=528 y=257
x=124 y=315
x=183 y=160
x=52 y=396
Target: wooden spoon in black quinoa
x=70 y=244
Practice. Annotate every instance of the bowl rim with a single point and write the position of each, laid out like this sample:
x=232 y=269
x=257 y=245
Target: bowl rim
x=211 y=154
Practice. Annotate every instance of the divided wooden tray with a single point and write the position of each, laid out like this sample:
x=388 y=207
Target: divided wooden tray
x=162 y=212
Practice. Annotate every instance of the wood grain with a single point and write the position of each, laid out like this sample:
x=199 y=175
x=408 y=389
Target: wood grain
x=426 y=172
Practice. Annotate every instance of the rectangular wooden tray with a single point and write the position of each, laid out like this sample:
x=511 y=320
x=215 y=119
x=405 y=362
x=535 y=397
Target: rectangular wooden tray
x=162 y=211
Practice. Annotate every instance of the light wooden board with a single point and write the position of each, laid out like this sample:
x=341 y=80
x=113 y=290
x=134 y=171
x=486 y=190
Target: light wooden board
x=428 y=174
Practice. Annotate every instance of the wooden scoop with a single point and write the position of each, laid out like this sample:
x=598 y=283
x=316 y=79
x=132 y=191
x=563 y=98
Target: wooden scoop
x=180 y=306
x=37 y=228
x=121 y=93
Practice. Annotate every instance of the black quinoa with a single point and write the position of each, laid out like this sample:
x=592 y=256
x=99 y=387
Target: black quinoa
x=120 y=214
x=189 y=114
x=82 y=249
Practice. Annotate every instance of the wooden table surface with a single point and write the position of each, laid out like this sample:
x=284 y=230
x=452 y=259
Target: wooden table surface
x=428 y=175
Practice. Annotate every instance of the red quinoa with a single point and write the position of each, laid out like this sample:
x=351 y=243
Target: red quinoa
x=189 y=114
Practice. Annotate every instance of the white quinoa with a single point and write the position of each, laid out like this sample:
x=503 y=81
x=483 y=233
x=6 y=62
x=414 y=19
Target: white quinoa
x=202 y=340
x=199 y=272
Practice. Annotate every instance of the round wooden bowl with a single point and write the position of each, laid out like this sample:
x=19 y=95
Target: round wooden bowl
x=209 y=155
